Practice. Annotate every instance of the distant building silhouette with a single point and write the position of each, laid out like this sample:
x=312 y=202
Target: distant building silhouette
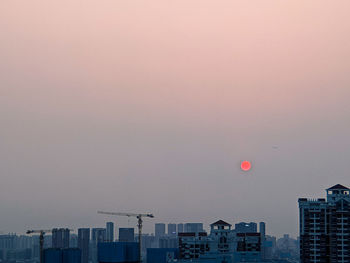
x=243 y=227
x=98 y=235
x=109 y=232
x=83 y=243
x=60 y=238
x=159 y=230
x=126 y=235
x=180 y=228
x=194 y=227
x=172 y=229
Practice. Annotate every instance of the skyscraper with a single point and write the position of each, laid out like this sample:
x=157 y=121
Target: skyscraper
x=325 y=227
x=109 y=232
x=262 y=230
x=180 y=228
x=60 y=238
x=98 y=235
x=159 y=229
x=83 y=243
x=172 y=229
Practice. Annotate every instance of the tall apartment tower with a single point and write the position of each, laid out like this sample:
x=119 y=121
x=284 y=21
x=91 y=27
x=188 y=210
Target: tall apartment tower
x=60 y=238
x=159 y=229
x=109 y=232
x=325 y=227
x=172 y=229
x=83 y=243
x=180 y=228
x=262 y=230
x=98 y=235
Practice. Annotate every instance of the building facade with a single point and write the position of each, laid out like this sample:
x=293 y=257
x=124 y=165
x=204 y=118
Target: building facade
x=172 y=229
x=159 y=230
x=83 y=243
x=126 y=235
x=325 y=227
x=109 y=232
x=60 y=237
x=244 y=227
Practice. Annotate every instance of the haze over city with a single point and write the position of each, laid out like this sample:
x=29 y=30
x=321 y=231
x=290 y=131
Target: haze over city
x=150 y=106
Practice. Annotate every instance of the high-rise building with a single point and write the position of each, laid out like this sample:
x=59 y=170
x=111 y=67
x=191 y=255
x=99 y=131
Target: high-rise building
x=83 y=243
x=126 y=235
x=60 y=238
x=248 y=247
x=73 y=241
x=172 y=229
x=194 y=227
x=180 y=228
x=7 y=241
x=243 y=227
x=217 y=247
x=109 y=232
x=98 y=235
x=325 y=227
x=262 y=230
x=159 y=229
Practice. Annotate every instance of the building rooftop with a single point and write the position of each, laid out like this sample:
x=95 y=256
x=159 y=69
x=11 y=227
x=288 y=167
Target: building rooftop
x=221 y=223
x=338 y=187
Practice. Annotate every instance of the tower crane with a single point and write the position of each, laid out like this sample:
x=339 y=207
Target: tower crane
x=41 y=233
x=139 y=224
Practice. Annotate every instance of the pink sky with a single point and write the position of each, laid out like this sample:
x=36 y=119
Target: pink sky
x=120 y=96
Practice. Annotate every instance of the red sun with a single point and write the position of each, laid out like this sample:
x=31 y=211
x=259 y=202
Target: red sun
x=246 y=166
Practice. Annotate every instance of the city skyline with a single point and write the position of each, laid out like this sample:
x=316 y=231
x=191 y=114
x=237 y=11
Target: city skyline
x=150 y=224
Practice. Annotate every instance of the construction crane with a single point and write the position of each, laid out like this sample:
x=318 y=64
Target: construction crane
x=139 y=224
x=41 y=241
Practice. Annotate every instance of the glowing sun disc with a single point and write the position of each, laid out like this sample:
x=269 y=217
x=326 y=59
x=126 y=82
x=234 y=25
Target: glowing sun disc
x=246 y=166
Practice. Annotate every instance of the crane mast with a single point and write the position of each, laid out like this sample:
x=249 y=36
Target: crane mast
x=139 y=224
x=41 y=233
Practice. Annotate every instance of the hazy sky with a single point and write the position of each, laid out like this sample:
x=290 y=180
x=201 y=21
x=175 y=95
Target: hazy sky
x=149 y=106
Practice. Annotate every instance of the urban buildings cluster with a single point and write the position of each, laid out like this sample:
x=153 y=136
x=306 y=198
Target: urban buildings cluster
x=173 y=241
x=324 y=237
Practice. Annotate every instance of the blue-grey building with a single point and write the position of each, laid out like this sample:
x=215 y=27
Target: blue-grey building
x=126 y=235
x=109 y=232
x=159 y=230
x=172 y=229
x=162 y=255
x=60 y=238
x=180 y=228
x=118 y=252
x=57 y=255
x=83 y=243
x=194 y=228
x=244 y=227
x=98 y=235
